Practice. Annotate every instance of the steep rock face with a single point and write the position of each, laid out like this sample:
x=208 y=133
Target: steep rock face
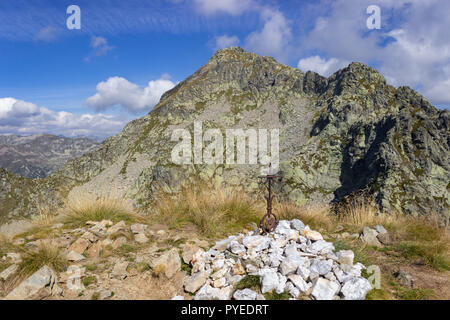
x=340 y=134
x=37 y=156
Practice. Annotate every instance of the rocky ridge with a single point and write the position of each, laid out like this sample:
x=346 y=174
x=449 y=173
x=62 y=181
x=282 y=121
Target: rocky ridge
x=37 y=156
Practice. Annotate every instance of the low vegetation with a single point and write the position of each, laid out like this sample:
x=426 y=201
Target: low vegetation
x=33 y=260
x=250 y=282
x=213 y=212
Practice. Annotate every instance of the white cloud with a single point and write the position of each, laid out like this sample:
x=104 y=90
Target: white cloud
x=411 y=48
x=21 y=117
x=100 y=47
x=274 y=38
x=226 y=41
x=118 y=91
x=233 y=7
x=321 y=66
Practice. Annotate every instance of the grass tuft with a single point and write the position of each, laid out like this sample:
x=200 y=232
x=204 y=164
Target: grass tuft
x=214 y=212
x=84 y=209
x=32 y=261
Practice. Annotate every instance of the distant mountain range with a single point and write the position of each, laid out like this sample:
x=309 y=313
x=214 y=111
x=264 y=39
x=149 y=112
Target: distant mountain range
x=37 y=156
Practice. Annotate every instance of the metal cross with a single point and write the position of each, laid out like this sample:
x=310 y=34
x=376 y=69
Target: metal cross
x=269 y=221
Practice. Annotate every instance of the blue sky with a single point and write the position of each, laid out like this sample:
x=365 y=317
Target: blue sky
x=94 y=80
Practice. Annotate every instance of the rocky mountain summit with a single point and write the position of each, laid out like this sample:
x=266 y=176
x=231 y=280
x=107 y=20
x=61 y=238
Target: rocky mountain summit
x=37 y=156
x=338 y=135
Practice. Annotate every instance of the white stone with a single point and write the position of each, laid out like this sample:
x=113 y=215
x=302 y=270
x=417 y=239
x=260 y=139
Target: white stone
x=297 y=225
x=251 y=269
x=292 y=289
x=325 y=289
x=198 y=260
x=219 y=283
x=321 y=267
x=288 y=233
x=235 y=247
x=177 y=298
x=195 y=281
x=303 y=272
x=209 y=293
x=220 y=273
x=345 y=257
x=223 y=244
x=289 y=265
x=269 y=280
x=283 y=224
x=322 y=247
x=278 y=243
x=356 y=289
x=245 y=294
x=257 y=243
x=311 y=235
x=233 y=280
x=342 y=276
x=291 y=250
x=298 y=281
x=281 y=284
x=369 y=236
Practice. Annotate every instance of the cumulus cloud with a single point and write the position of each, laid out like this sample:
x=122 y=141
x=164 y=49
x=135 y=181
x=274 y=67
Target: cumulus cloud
x=275 y=36
x=118 y=91
x=233 y=7
x=21 y=117
x=321 y=66
x=226 y=41
x=411 y=48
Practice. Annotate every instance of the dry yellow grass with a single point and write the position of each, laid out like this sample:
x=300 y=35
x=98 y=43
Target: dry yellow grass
x=213 y=211
x=414 y=238
x=84 y=208
x=33 y=260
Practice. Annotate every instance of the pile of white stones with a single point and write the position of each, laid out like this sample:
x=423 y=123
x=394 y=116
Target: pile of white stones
x=293 y=259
